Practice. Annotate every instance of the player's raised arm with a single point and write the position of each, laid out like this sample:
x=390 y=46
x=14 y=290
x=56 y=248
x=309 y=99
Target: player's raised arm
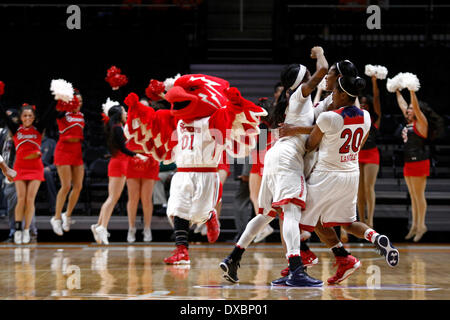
x=321 y=71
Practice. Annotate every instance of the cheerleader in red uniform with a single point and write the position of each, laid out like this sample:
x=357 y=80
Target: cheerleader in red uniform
x=117 y=168
x=141 y=177
x=369 y=159
x=27 y=138
x=69 y=164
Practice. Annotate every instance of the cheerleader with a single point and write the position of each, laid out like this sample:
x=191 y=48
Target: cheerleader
x=69 y=165
x=417 y=162
x=115 y=117
x=141 y=178
x=27 y=137
x=369 y=158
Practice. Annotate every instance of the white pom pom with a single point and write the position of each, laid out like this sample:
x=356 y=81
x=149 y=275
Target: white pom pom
x=323 y=84
x=108 y=105
x=410 y=81
x=370 y=70
x=381 y=72
x=62 y=90
x=394 y=84
x=168 y=83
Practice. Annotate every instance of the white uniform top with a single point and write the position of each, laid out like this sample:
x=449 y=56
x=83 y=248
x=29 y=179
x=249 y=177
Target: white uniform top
x=300 y=113
x=196 y=146
x=322 y=106
x=344 y=130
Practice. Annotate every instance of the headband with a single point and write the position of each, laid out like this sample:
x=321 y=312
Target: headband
x=300 y=76
x=340 y=85
x=339 y=69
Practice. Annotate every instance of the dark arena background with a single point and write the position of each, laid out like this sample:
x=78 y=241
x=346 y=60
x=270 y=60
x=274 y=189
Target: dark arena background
x=246 y=42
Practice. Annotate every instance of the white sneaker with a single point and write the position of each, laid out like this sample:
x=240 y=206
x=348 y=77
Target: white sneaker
x=56 y=225
x=94 y=232
x=147 y=235
x=263 y=233
x=102 y=234
x=204 y=230
x=66 y=222
x=18 y=237
x=131 y=237
x=26 y=236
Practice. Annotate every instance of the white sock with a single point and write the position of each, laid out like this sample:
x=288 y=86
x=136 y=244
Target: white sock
x=370 y=235
x=291 y=232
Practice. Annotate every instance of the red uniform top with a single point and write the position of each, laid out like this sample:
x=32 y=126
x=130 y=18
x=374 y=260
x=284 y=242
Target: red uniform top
x=71 y=126
x=27 y=141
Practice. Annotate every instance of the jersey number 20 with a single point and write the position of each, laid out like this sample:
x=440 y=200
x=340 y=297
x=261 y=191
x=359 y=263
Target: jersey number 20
x=352 y=139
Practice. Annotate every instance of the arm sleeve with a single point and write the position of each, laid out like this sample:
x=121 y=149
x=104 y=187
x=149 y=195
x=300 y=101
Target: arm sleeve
x=119 y=139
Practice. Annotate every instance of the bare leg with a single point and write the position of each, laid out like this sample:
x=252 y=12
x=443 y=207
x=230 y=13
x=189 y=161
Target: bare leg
x=32 y=189
x=77 y=185
x=146 y=200
x=21 y=191
x=370 y=178
x=418 y=188
x=223 y=177
x=134 y=193
x=254 y=186
x=65 y=177
x=115 y=188
x=414 y=224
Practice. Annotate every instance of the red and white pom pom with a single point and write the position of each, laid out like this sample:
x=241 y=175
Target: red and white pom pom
x=155 y=90
x=2 y=88
x=115 y=78
x=108 y=105
x=168 y=83
x=62 y=90
x=68 y=106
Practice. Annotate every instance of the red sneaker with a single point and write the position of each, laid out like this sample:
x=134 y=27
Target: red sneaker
x=212 y=225
x=346 y=266
x=179 y=256
x=309 y=258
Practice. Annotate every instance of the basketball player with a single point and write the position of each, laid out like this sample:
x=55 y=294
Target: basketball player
x=283 y=184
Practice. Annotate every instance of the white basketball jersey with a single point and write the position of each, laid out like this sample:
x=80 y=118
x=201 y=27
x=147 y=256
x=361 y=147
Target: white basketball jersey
x=300 y=113
x=196 y=146
x=344 y=130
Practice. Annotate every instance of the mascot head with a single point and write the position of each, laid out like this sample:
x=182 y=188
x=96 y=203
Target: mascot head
x=195 y=96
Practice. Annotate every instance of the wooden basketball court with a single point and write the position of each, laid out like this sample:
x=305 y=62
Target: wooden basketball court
x=121 y=271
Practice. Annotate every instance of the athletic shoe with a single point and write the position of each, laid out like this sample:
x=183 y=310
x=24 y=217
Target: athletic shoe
x=18 y=237
x=281 y=281
x=66 y=222
x=346 y=266
x=26 y=236
x=147 y=235
x=56 y=225
x=131 y=237
x=179 y=256
x=309 y=259
x=203 y=230
x=263 y=233
x=299 y=278
x=213 y=228
x=230 y=268
x=94 y=232
x=102 y=234
x=386 y=249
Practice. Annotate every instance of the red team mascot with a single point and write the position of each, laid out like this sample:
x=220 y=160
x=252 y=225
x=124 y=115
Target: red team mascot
x=206 y=118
